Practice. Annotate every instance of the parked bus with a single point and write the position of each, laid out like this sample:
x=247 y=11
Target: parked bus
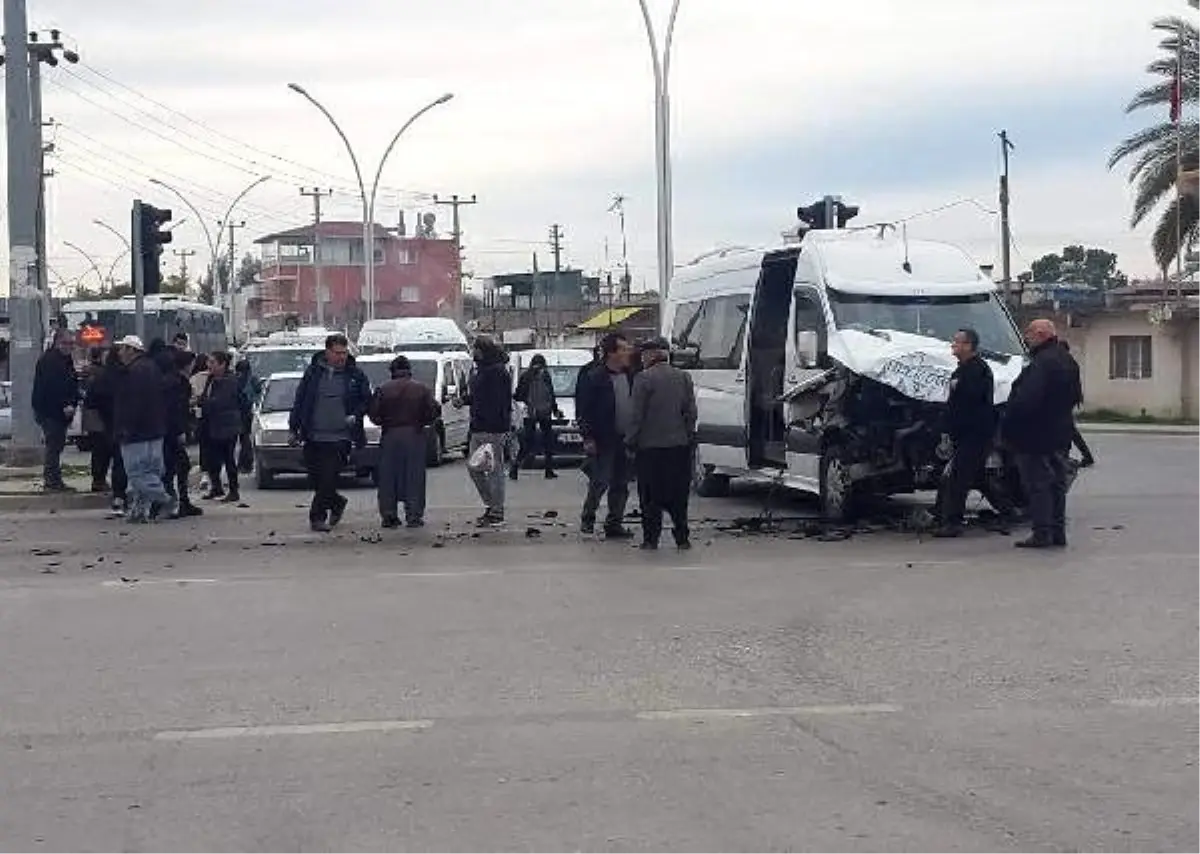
x=101 y=322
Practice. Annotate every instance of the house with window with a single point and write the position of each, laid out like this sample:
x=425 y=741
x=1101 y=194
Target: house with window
x=414 y=276
x=1139 y=352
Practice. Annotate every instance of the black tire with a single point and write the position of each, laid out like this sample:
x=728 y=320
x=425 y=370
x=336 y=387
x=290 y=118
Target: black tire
x=263 y=477
x=435 y=448
x=839 y=495
x=706 y=484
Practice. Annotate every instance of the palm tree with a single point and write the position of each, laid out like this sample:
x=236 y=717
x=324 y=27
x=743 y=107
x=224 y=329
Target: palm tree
x=1157 y=160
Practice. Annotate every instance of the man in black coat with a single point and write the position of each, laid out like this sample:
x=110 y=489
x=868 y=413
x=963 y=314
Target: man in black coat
x=327 y=418
x=971 y=425
x=1038 y=425
x=604 y=411
x=55 y=398
x=140 y=425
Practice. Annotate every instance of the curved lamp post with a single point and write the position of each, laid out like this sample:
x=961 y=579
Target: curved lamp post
x=368 y=199
x=90 y=260
x=212 y=247
x=112 y=230
x=662 y=145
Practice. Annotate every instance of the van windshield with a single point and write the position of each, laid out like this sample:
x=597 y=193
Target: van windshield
x=935 y=317
x=563 y=378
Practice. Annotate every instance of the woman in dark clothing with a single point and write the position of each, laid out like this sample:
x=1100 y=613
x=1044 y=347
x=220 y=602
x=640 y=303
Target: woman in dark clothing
x=246 y=395
x=220 y=426
x=101 y=396
x=92 y=422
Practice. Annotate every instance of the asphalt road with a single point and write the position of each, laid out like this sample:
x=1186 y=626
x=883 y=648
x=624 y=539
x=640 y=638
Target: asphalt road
x=237 y=684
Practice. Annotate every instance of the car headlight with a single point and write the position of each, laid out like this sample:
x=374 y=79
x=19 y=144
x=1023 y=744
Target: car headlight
x=272 y=438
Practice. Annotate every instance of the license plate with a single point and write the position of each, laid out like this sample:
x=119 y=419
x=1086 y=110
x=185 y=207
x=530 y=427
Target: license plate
x=570 y=438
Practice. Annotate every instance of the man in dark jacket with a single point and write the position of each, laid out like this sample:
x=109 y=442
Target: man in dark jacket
x=489 y=394
x=140 y=424
x=327 y=418
x=604 y=411
x=404 y=409
x=1038 y=425
x=55 y=398
x=970 y=425
x=179 y=408
x=535 y=389
x=662 y=435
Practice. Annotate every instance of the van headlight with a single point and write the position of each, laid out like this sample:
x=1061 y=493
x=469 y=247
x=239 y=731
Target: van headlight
x=272 y=438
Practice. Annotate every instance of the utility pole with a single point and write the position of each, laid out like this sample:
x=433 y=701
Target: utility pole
x=26 y=345
x=454 y=203
x=227 y=301
x=316 y=194
x=618 y=205
x=1005 y=231
x=183 y=255
x=556 y=237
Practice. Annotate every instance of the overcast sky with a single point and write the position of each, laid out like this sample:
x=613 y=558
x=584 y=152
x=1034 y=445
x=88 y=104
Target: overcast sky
x=775 y=102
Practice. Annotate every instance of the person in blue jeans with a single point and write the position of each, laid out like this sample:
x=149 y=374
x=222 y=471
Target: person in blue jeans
x=140 y=425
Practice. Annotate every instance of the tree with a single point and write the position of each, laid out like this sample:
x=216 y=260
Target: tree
x=1095 y=267
x=176 y=284
x=248 y=271
x=1157 y=151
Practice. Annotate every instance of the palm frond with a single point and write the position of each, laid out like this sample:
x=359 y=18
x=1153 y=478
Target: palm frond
x=1142 y=139
x=1166 y=240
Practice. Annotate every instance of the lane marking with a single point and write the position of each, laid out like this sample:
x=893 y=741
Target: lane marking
x=448 y=574
x=767 y=712
x=271 y=730
x=139 y=582
x=1156 y=702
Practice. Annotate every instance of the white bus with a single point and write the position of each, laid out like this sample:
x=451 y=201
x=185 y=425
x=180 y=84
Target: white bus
x=98 y=323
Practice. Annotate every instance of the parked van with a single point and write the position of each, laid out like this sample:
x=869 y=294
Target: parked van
x=825 y=365
x=411 y=335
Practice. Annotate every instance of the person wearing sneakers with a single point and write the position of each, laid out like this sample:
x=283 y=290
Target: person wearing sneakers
x=140 y=424
x=327 y=418
x=489 y=395
x=604 y=410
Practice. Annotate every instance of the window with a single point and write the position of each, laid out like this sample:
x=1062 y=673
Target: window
x=410 y=293
x=809 y=315
x=404 y=256
x=1129 y=357
x=931 y=316
x=715 y=328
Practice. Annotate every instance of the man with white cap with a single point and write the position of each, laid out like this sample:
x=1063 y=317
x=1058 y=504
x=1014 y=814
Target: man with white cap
x=140 y=425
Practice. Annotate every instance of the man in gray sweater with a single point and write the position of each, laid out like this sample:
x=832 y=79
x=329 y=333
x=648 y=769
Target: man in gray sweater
x=662 y=434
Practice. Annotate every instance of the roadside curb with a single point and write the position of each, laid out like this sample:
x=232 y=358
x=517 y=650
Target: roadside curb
x=1139 y=429
x=13 y=501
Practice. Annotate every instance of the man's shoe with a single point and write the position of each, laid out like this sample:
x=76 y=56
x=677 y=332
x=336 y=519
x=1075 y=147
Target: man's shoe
x=1034 y=542
x=99 y=487
x=684 y=545
x=946 y=532
x=339 y=510
x=390 y=522
x=59 y=488
x=618 y=533
x=489 y=520
x=319 y=526
x=648 y=546
x=231 y=498
x=187 y=510
x=415 y=523
x=551 y=474
x=514 y=473
x=213 y=495
x=1058 y=539
x=586 y=527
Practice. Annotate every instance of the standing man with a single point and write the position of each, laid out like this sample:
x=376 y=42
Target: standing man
x=489 y=394
x=662 y=434
x=404 y=409
x=182 y=342
x=1038 y=425
x=970 y=425
x=535 y=389
x=55 y=397
x=140 y=424
x=604 y=411
x=327 y=418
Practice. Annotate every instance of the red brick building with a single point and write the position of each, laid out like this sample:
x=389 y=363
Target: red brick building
x=414 y=276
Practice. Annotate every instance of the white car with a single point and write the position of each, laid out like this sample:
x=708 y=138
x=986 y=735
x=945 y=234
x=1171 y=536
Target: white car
x=564 y=367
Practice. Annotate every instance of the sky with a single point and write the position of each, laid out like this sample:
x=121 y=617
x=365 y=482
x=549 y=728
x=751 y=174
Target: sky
x=775 y=103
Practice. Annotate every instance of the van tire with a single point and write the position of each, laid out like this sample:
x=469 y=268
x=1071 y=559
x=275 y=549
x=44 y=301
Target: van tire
x=838 y=494
x=435 y=448
x=710 y=485
x=263 y=477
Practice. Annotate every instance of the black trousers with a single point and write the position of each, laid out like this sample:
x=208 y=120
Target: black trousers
x=664 y=480
x=325 y=461
x=531 y=428
x=607 y=472
x=176 y=465
x=222 y=454
x=1044 y=478
x=964 y=471
x=120 y=483
x=245 y=454
x=102 y=454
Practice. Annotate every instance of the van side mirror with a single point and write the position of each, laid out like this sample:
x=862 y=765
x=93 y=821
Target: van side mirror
x=808 y=348
x=685 y=357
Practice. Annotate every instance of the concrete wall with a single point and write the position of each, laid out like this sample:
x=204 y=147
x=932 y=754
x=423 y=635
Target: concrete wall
x=1191 y=369
x=1173 y=360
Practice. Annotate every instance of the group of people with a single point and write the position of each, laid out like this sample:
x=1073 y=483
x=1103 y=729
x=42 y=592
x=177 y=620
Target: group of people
x=140 y=404
x=1037 y=428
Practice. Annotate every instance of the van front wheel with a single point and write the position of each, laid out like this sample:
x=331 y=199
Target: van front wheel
x=707 y=484
x=838 y=491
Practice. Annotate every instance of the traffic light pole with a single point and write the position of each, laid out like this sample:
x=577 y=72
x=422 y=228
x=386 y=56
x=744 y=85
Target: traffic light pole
x=139 y=273
x=25 y=299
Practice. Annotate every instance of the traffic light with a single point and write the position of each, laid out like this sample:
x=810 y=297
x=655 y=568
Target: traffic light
x=829 y=213
x=148 y=240
x=845 y=213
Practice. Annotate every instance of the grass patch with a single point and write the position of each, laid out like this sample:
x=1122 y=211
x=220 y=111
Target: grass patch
x=1110 y=416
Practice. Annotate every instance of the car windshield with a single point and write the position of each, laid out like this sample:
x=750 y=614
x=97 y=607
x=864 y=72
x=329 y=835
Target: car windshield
x=263 y=363
x=423 y=371
x=934 y=316
x=279 y=394
x=563 y=378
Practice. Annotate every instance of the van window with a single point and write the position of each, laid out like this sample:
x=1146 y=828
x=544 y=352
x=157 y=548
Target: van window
x=809 y=315
x=716 y=327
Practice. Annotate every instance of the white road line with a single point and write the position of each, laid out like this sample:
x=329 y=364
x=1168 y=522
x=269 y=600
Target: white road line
x=1155 y=702
x=117 y=583
x=767 y=712
x=448 y=574
x=290 y=729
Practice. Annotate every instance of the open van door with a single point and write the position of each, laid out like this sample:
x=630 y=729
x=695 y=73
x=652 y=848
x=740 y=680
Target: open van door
x=809 y=374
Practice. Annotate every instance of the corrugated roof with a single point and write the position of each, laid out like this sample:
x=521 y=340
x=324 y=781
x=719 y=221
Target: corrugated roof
x=610 y=317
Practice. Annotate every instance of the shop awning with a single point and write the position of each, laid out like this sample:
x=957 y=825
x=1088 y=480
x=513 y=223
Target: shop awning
x=609 y=317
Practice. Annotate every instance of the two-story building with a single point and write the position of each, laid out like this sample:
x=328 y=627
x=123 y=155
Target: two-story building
x=414 y=276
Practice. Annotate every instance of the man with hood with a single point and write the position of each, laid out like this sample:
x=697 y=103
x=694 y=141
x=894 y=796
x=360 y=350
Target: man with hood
x=140 y=425
x=404 y=409
x=1038 y=423
x=535 y=389
x=489 y=394
x=55 y=399
x=327 y=418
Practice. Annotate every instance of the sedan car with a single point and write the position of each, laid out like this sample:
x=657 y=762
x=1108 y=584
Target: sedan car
x=273 y=453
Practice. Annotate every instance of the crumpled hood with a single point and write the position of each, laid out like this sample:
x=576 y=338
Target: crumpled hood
x=917 y=366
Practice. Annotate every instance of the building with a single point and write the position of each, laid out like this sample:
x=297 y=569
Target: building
x=414 y=277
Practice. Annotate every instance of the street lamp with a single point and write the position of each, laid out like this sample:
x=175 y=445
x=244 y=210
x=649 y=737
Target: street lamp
x=90 y=260
x=368 y=200
x=662 y=145
x=120 y=236
x=212 y=247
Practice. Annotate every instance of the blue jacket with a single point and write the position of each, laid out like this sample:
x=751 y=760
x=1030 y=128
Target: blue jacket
x=358 y=399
